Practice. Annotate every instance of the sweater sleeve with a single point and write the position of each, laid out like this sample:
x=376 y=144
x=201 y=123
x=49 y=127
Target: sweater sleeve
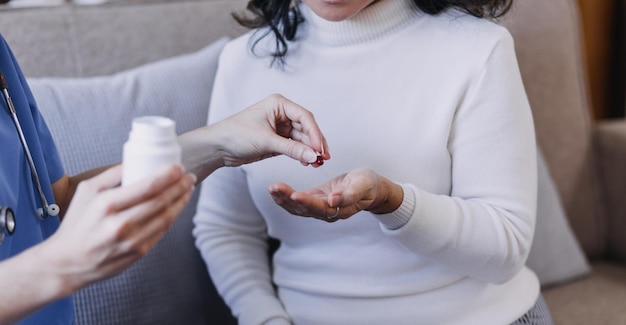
x=485 y=226
x=231 y=236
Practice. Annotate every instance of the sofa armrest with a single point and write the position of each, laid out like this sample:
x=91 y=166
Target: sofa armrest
x=610 y=137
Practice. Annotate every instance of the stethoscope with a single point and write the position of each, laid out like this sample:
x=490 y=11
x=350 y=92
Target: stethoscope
x=7 y=217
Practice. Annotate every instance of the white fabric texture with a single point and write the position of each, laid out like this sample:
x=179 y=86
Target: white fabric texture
x=555 y=255
x=89 y=119
x=435 y=103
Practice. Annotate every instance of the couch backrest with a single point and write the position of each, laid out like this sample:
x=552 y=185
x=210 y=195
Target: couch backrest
x=71 y=41
x=548 y=44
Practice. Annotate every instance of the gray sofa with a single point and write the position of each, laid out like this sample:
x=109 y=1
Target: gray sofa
x=93 y=68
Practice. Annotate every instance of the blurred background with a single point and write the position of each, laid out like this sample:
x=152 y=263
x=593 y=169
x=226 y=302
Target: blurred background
x=604 y=30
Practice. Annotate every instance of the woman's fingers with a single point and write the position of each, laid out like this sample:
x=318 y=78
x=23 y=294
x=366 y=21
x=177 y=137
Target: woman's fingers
x=293 y=149
x=305 y=204
x=303 y=119
x=303 y=128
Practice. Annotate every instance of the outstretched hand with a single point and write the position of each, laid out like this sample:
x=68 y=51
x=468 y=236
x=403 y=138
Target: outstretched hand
x=340 y=197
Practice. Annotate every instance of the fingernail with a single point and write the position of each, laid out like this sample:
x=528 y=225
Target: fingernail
x=310 y=156
x=194 y=178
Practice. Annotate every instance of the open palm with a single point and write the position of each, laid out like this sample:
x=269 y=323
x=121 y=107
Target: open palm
x=351 y=192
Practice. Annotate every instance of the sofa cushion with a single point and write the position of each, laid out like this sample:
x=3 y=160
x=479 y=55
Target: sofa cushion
x=555 y=255
x=547 y=42
x=598 y=299
x=89 y=119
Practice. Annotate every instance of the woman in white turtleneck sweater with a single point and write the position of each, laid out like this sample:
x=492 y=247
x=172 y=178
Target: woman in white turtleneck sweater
x=425 y=213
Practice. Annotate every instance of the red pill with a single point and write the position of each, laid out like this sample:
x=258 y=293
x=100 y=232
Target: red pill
x=320 y=160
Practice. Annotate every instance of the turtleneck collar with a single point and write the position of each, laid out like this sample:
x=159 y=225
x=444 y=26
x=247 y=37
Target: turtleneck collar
x=375 y=21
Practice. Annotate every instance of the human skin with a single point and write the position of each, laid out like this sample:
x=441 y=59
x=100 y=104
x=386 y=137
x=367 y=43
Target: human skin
x=337 y=10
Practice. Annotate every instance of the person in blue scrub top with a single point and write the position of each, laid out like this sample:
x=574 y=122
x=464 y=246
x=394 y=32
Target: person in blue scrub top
x=105 y=227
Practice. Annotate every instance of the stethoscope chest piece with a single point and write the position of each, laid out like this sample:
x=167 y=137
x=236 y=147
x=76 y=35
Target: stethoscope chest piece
x=7 y=222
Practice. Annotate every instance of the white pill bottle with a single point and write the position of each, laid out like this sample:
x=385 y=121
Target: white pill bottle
x=151 y=146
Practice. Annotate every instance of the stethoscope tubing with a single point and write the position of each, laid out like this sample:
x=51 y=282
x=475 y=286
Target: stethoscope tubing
x=18 y=127
x=46 y=210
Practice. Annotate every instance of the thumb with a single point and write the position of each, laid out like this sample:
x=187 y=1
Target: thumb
x=109 y=178
x=294 y=149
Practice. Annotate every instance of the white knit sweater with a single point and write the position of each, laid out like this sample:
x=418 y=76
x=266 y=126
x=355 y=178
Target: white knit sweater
x=434 y=103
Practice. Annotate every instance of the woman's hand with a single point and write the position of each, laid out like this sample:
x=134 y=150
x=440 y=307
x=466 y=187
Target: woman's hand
x=271 y=127
x=341 y=197
x=268 y=128
x=107 y=227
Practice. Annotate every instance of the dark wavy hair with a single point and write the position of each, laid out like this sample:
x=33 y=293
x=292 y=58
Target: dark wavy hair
x=282 y=17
